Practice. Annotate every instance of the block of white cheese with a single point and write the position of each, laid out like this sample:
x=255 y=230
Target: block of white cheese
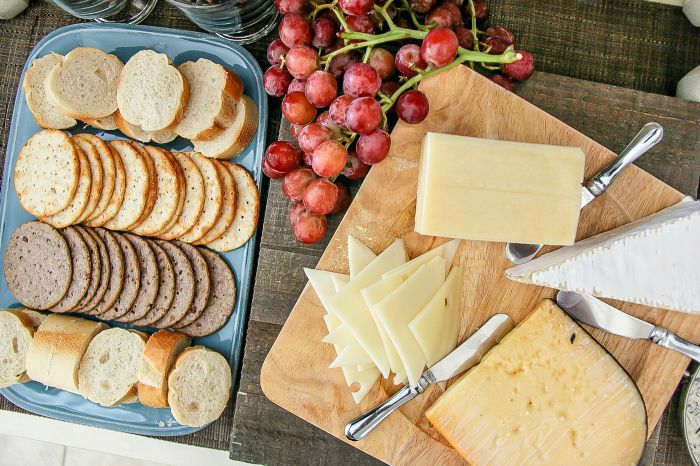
x=481 y=189
x=653 y=261
x=548 y=394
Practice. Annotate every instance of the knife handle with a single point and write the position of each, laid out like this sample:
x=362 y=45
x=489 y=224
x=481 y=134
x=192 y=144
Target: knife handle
x=358 y=428
x=664 y=337
x=648 y=137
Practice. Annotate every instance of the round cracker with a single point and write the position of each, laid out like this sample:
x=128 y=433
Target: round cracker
x=47 y=173
x=184 y=280
x=213 y=198
x=169 y=192
x=95 y=265
x=247 y=210
x=228 y=206
x=116 y=273
x=38 y=266
x=132 y=281
x=117 y=197
x=150 y=279
x=194 y=199
x=152 y=191
x=202 y=286
x=108 y=172
x=82 y=271
x=96 y=176
x=221 y=301
x=181 y=198
x=105 y=272
x=75 y=209
x=166 y=288
x=138 y=183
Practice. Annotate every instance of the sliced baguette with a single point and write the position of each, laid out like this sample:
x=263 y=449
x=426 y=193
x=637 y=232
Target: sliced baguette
x=57 y=348
x=158 y=358
x=107 y=123
x=84 y=86
x=46 y=114
x=199 y=386
x=214 y=93
x=163 y=136
x=151 y=93
x=35 y=317
x=16 y=333
x=234 y=139
x=109 y=369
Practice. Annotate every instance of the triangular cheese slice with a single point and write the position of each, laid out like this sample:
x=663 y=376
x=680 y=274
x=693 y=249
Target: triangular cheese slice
x=359 y=256
x=340 y=281
x=360 y=382
x=653 y=261
x=446 y=250
x=436 y=328
x=398 y=309
x=350 y=356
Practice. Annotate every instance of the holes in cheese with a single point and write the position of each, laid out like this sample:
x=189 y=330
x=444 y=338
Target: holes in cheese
x=547 y=394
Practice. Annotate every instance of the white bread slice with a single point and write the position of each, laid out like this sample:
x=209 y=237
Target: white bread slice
x=108 y=371
x=214 y=93
x=163 y=136
x=151 y=93
x=46 y=114
x=16 y=333
x=57 y=348
x=159 y=357
x=199 y=386
x=236 y=137
x=84 y=86
x=107 y=123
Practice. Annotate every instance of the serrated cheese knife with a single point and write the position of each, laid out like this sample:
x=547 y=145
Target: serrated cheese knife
x=646 y=138
x=594 y=312
x=467 y=355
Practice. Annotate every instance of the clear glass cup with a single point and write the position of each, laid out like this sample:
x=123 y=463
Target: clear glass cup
x=242 y=21
x=108 y=11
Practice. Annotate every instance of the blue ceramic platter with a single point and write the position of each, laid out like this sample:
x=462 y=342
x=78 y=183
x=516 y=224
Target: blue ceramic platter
x=124 y=41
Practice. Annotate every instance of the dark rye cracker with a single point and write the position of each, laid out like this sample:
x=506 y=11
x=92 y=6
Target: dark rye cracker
x=116 y=273
x=38 y=267
x=184 y=282
x=102 y=275
x=82 y=271
x=150 y=279
x=95 y=265
x=166 y=288
x=221 y=301
x=202 y=285
x=132 y=281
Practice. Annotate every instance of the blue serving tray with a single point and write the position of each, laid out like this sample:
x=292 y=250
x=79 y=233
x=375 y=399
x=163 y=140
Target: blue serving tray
x=124 y=41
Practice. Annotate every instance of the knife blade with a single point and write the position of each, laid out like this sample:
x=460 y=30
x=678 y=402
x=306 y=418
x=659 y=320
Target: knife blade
x=466 y=355
x=592 y=311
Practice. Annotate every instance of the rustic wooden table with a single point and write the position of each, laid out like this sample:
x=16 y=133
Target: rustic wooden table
x=605 y=68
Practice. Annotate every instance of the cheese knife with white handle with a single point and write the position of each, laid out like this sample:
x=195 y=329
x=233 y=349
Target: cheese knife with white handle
x=465 y=356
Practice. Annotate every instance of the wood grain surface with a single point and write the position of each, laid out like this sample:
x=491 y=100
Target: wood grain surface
x=295 y=374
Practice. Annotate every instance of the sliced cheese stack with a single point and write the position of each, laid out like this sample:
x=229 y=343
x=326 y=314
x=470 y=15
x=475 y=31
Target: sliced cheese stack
x=653 y=261
x=547 y=394
x=391 y=315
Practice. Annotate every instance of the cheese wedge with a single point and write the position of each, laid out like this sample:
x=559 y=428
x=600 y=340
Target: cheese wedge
x=548 y=394
x=398 y=309
x=652 y=261
x=359 y=256
x=436 y=327
x=480 y=189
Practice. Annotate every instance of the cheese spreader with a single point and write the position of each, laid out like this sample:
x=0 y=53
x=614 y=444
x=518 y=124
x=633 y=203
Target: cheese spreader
x=646 y=138
x=592 y=311
x=465 y=356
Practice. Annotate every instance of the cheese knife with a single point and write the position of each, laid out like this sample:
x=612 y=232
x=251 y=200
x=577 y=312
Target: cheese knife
x=465 y=356
x=596 y=313
x=648 y=137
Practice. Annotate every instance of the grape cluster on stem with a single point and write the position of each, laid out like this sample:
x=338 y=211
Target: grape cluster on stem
x=347 y=69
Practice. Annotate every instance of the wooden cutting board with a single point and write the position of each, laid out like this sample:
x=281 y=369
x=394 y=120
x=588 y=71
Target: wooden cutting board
x=295 y=374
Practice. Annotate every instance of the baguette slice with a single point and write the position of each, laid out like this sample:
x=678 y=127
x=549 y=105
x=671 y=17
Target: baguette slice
x=163 y=136
x=107 y=123
x=84 y=86
x=108 y=371
x=151 y=93
x=236 y=137
x=35 y=317
x=46 y=114
x=158 y=358
x=214 y=93
x=16 y=333
x=57 y=349
x=199 y=386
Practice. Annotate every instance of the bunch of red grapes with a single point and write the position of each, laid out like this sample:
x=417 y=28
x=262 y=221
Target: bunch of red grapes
x=341 y=91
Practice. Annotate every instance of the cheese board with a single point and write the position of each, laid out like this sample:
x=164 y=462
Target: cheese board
x=295 y=374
